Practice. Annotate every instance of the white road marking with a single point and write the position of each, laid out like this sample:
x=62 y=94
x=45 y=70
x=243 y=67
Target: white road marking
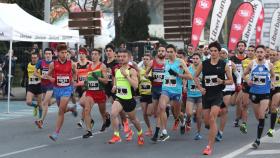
x=245 y=148
x=80 y=137
x=24 y=150
x=264 y=152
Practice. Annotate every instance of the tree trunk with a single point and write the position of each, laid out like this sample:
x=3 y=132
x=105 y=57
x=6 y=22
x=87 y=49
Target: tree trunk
x=117 y=21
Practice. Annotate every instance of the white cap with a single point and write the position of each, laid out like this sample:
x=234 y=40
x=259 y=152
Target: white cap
x=225 y=50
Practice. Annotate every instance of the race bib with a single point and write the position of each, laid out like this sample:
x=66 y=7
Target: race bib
x=82 y=78
x=34 y=80
x=44 y=73
x=259 y=80
x=193 y=88
x=122 y=91
x=93 y=85
x=158 y=76
x=211 y=80
x=146 y=86
x=170 y=82
x=63 y=81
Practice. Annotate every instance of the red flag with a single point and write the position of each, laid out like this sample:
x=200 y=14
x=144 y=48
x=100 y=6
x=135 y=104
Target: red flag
x=201 y=12
x=239 y=22
x=259 y=27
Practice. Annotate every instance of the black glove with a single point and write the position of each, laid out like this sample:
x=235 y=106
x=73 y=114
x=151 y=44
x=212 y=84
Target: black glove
x=95 y=75
x=151 y=78
x=172 y=72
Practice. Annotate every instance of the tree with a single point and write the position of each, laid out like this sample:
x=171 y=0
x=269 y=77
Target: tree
x=136 y=21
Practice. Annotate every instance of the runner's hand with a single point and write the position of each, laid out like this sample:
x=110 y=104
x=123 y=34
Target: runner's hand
x=114 y=89
x=202 y=90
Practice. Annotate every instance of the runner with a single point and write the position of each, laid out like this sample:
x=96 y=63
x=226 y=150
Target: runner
x=213 y=82
x=82 y=72
x=125 y=83
x=157 y=68
x=245 y=90
x=111 y=62
x=34 y=87
x=145 y=91
x=96 y=78
x=262 y=75
x=62 y=73
x=227 y=93
x=274 y=93
x=175 y=71
x=237 y=60
x=194 y=99
x=46 y=85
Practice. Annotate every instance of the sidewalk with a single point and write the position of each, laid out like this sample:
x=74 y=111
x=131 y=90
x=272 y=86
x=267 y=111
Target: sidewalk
x=18 y=92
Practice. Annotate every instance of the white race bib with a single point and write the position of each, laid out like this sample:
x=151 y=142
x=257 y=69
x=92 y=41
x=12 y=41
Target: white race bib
x=259 y=80
x=63 y=81
x=211 y=80
x=170 y=82
x=34 y=80
x=158 y=76
x=122 y=91
x=93 y=85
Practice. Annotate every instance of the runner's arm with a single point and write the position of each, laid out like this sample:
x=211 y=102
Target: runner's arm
x=103 y=79
x=246 y=72
x=132 y=78
x=272 y=74
x=229 y=79
x=196 y=76
x=187 y=74
x=74 y=71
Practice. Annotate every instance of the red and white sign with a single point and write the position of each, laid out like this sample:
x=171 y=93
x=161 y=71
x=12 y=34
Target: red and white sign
x=239 y=22
x=259 y=28
x=201 y=13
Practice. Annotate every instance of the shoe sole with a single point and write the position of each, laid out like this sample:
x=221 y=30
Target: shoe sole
x=255 y=146
x=166 y=138
x=52 y=138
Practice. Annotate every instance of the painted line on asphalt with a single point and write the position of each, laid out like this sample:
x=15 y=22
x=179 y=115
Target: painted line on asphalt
x=244 y=148
x=264 y=152
x=24 y=150
x=80 y=137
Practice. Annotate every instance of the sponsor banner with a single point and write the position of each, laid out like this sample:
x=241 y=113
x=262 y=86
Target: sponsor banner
x=239 y=22
x=250 y=28
x=218 y=16
x=201 y=13
x=259 y=28
x=274 y=29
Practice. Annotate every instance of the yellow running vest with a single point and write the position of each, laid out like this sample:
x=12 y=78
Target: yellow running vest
x=145 y=85
x=123 y=86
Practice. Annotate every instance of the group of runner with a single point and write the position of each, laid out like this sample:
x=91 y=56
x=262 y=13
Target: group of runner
x=195 y=86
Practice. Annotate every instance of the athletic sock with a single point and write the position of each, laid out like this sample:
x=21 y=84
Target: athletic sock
x=164 y=131
x=273 y=117
x=117 y=133
x=139 y=132
x=260 y=128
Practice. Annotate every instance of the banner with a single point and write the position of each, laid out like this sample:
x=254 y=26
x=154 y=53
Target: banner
x=274 y=29
x=259 y=28
x=218 y=16
x=250 y=28
x=201 y=12
x=239 y=22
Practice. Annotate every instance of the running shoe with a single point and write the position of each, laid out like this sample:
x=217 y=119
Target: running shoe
x=103 y=128
x=270 y=132
x=175 y=125
x=236 y=123
x=149 y=133
x=164 y=137
x=197 y=136
x=126 y=128
x=88 y=134
x=35 y=111
x=219 y=136
x=243 y=128
x=140 y=139
x=154 y=139
x=39 y=123
x=53 y=137
x=256 y=144
x=207 y=150
x=115 y=139
x=80 y=123
x=129 y=135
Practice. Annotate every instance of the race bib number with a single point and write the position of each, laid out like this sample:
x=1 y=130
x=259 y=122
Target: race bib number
x=44 y=73
x=170 y=82
x=63 y=81
x=146 y=86
x=158 y=76
x=211 y=80
x=93 y=85
x=122 y=91
x=82 y=78
x=193 y=88
x=259 y=80
x=34 y=80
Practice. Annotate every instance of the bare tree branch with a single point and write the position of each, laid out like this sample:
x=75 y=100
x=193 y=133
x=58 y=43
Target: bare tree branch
x=85 y=4
x=78 y=3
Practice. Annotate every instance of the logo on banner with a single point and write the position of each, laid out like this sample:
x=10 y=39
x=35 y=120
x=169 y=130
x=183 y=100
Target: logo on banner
x=244 y=13
x=198 y=21
x=233 y=40
x=259 y=29
x=195 y=37
x=258 y=40
x=204 y=4
x=261 y=17
x=237 y=27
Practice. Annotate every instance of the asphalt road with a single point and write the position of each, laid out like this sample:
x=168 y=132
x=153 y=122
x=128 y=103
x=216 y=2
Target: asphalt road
x=19 y=138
